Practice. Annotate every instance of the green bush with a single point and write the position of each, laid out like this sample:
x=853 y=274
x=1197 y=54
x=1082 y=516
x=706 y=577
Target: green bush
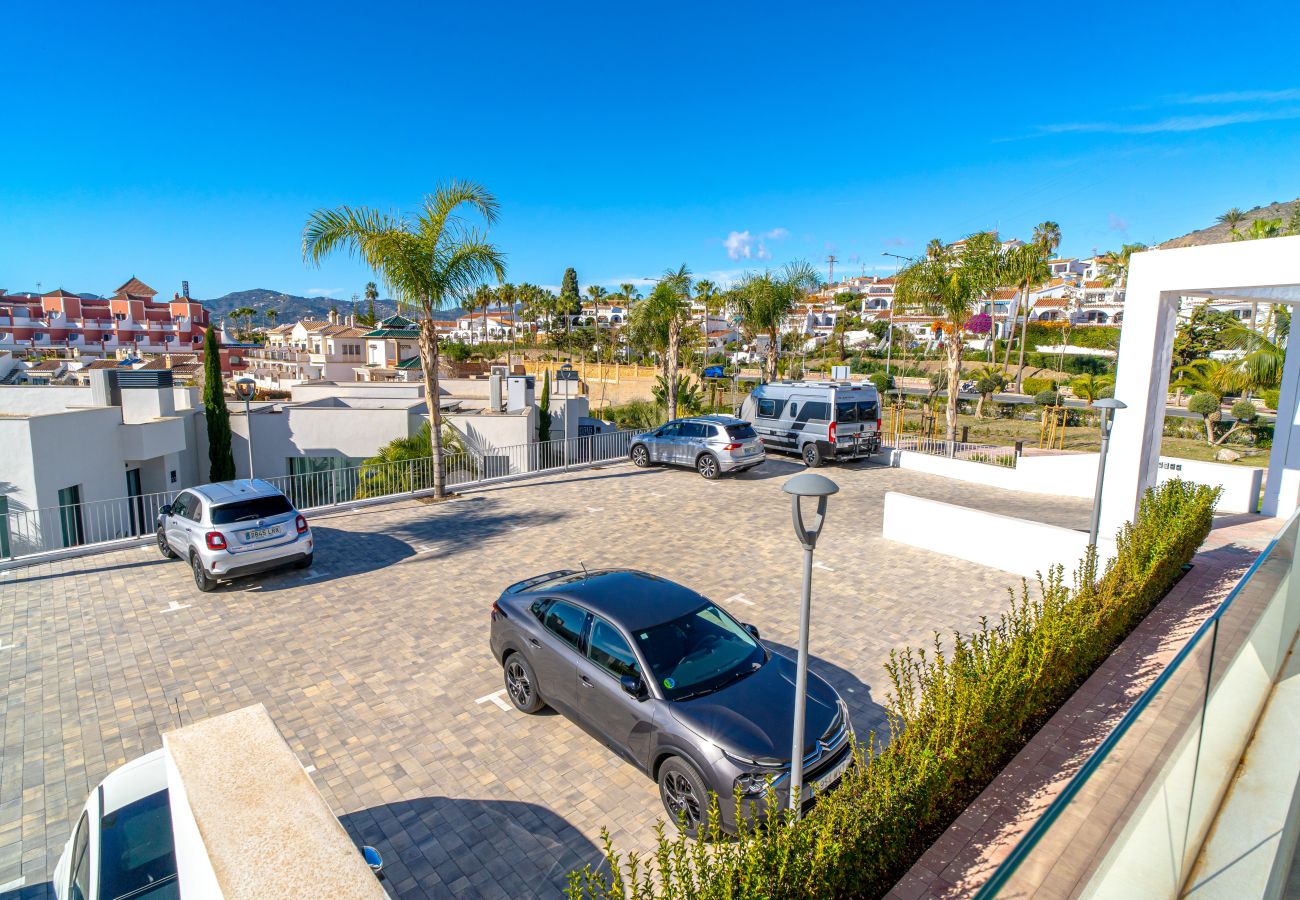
x=956 y=716
x=1270 y=398
x=1048 y=397
x=1032 y=386
x=1244 y=411
x=1204 y=404
x=883 y=382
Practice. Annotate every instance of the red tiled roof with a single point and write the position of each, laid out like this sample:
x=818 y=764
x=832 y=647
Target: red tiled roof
x=136 y=287
x=1051 y=302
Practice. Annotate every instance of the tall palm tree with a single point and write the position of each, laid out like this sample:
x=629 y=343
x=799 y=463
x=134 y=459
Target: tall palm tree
x=483 y=298
x=431 y=259
x=677 y=311
x=649 y=327
x=271 y=316
x=629 y=293
x=1114 y=266
x=708 y=295
x=766 y=300
x=946 y=285
x=1232 y=218
x=1028 y=267
x=1048 y=234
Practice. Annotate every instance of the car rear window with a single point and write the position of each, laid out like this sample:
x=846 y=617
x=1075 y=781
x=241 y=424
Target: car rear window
x=253 y=508
x=742 y=432
x=846 y=412
x=137 y=855
x=868 y=410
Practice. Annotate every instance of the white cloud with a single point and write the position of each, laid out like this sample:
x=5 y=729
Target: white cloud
x=1279 y=96
x=746 y=245
x=777 y=234
x=1173 y=124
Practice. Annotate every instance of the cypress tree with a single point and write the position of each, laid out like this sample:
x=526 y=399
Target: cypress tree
x=570 y=302
x=544 y=410
x=221 y=462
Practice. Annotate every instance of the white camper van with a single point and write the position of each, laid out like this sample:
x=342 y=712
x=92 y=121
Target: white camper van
x=818 y=420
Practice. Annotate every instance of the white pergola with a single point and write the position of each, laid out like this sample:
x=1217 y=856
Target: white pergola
x=1267 y=271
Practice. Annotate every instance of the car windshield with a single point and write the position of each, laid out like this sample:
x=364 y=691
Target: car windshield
x=699 y=653
x=741 y=432
x=137 y=857
x=251 y=509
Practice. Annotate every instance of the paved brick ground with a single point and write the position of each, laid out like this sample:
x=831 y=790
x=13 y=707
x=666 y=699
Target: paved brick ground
x=375 y=663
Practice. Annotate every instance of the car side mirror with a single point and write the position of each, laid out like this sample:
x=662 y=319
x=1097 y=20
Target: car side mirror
x=632 y=686
x=165 y=509
x=374 y=861
x=752 y=629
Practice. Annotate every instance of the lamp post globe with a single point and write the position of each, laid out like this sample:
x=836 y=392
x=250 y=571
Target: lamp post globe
x=819 y=488
x=246 y=389
x=1107 y=406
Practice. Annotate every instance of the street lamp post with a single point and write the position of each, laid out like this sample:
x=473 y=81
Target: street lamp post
x=889 y=347
x=807 y=484
x=245 y=388
x=1106 y=405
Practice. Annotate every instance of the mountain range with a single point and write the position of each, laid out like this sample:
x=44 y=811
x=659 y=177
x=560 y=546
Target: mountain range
x=1222 y=233
x=289 y=307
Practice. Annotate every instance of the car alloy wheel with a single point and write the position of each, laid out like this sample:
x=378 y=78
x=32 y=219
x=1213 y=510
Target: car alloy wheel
x=679 y=797
x=201 y=579
x=518 y=683
x=640 y=458
x=163 y=547
x=707 y=466
x=812 y=456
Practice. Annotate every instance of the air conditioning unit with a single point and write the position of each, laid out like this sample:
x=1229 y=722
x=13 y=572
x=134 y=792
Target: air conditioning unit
x=503 y=371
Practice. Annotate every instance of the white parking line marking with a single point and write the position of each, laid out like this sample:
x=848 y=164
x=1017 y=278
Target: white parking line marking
x=309 y=769
x=174 y=607
x=499 y=698
x=739 y=598
x=518 y=527
x=595 y=509
x=13 y=885
x=427 y=549
x=821 y=565
x=4 y=646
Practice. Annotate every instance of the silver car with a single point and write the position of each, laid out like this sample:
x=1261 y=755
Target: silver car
x=233 y=528
x=711 y=445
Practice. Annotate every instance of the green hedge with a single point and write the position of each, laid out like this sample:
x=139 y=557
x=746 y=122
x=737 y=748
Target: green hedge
x=1034 y=386
x=957 y=716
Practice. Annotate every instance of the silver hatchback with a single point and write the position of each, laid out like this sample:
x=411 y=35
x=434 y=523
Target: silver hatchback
x=233 y=528
x=711 y=445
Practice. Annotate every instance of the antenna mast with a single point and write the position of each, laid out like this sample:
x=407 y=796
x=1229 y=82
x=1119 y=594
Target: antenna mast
x=831 y=260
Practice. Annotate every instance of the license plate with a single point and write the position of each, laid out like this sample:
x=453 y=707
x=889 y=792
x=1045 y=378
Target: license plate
x=261 y=534
x=750 y=451
x=830 y=777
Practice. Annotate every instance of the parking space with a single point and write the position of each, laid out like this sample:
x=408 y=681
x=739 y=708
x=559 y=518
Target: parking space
x=375 y=663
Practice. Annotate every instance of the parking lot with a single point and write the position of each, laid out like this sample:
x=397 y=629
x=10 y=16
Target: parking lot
x=375 y=663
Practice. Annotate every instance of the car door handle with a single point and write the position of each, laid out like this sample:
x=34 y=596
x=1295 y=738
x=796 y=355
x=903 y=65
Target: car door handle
x=586 y=682
x=535 y=642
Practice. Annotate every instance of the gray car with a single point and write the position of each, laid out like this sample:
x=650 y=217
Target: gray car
x=673 y=684
x=711 y=445
x=233 y=528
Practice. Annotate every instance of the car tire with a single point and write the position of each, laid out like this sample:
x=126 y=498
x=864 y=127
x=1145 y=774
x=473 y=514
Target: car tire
x=684 y=795
x=305 y=562
x=640 y=456
x=812 y=455
x=202 y=580
x=521 y=684
x=163 y=547
x=708 y=467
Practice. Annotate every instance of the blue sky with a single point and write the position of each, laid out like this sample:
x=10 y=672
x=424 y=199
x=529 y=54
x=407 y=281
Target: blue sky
x=189 y=141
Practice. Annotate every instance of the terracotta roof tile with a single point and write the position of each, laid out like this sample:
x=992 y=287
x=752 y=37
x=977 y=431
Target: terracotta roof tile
x=136 y=287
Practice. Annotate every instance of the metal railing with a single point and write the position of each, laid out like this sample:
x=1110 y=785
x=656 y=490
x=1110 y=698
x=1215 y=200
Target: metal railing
x=25 y=532
x=989 y=454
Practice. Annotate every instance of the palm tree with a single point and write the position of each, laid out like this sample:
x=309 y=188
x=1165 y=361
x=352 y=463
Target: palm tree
x=650 y=326
x=1232 y=218
x=708 y=295
x=432 y=258
x=677 y=312
x=988 y=381
x=1048 y=234
x=271 y=316
x=629 y=293
x=245 y=315
x=1091 y=387
x=946 y=285
x=1259 y=230
x=482 y=299
x=1026 y=267
x=1114 y=265
x=766 y=300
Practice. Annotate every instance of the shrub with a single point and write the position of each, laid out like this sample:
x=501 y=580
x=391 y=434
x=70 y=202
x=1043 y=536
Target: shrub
x=1048 y=398
x=1270 y=398
x=1032 y=386
x=636 y=415
x=956 y=717
x=883 y=382
x=1203 y=404
x=1244 y=411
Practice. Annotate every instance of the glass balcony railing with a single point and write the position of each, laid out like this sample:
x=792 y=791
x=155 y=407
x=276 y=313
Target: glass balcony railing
x=1133 y=820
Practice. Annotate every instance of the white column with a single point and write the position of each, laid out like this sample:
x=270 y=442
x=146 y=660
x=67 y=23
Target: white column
x=1282 y=490
x=1142 y=382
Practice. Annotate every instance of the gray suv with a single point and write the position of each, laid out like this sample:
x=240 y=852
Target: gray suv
x=673 y=684
x=233 y=528
x=709 y=444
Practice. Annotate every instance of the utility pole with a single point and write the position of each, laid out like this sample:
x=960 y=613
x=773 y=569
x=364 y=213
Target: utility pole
x=831 y=260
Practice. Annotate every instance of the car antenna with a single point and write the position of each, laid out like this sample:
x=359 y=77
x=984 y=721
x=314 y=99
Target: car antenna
x=585 y=576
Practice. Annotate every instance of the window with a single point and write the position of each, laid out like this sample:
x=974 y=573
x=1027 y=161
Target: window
x=699 y=652
x=815 y=411
x=739 y=432
x=610 y=650
x=137 y=853
x=248 y=510
x=70 y=516
x=81 y=860
x=846 y=412
x=694 y=430
x=767 y=409
x=672 y=429
x=539 y=607
x=868 y=410
x=566 y=622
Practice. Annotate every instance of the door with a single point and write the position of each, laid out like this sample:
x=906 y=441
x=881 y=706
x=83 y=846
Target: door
x=690 y=443
x=662 y=450
x=70 y=516
x=622 y=720
x=174 y=524
x=135 y=503
x=555 y=656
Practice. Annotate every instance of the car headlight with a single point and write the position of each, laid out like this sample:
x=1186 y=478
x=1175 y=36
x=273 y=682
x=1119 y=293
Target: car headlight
x=751 y=784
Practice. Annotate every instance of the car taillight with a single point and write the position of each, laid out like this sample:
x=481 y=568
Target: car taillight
x=216 y=540
x=302 y=525
x=832 y=433
x=732 y=447
x=498 y=611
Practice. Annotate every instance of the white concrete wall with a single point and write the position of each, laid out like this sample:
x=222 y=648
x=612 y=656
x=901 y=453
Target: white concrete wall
x=1075 y=475
x=387 y=389
x=314 y=431
x=1020 y=546
x=496 y=432
x=48 y=398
